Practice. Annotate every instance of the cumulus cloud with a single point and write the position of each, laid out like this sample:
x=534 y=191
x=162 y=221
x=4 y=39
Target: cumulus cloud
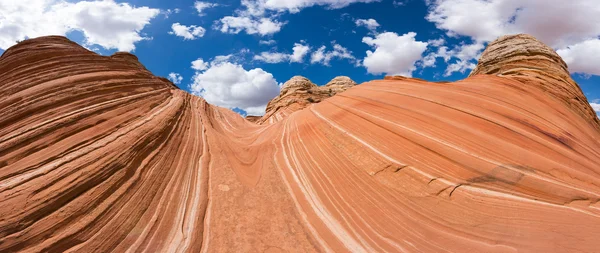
x=236 y=57
x=583 y=57
x=262 y=26
x=393 y=54
x=191 y=32
x=199 y=64
x=465 y=55
x=270 y=57
x=262 y=16
x=294 y=6
x=298 y=54
x=105 y=23
x=437 y=42
x=299 y=51
x=596 y=107
x=323 y=56
x=430 y=59
x=370 y=24
x=222 y=58
x=558 y=23
x=229 y=85
x=176 y=78
x=201 y=6
x=460 y=58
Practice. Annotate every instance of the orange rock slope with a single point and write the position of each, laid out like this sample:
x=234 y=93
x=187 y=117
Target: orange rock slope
x=99 y=155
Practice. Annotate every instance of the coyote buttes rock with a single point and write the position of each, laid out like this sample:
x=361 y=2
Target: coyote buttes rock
x=298 y=93
x=98 y=155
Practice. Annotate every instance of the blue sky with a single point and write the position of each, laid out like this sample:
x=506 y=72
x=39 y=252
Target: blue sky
x=246 y=47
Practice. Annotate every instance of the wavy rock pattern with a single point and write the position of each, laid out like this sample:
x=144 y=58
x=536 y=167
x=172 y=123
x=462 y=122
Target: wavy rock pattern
x=98 y=155
x=298 y=93
x=530 y=61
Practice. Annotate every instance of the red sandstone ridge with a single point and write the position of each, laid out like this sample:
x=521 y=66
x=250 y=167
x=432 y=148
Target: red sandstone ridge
x=98 y=155
x=298 y=93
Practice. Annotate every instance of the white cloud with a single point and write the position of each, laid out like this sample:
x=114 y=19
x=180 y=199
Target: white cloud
x=393 y=55
x=370 y=24
x=267 y=42
x=464 y=56
x=324 y=57
x=201 y=6
x=176 y=78
x=319 y=55
x=460 y=66
x=459 y=16
x=262 y=26
x=560 y=24
x=236 y=57
x=199 y=64
x=229 y=85
x=106 y=23
x=270 y=57
x=221 y=59
x=596 y=107
x=294 y=6
x=299 y=52
x=437 y=42
x=583 y=57
x=191 y=32
x=168 y=12
x=429 y=59
x=261 y=16
x=252 y=20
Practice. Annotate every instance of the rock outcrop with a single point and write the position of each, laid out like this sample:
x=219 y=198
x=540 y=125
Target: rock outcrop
x=99 y=155
x=339 y=84
x=298 y=93
x=524 y=58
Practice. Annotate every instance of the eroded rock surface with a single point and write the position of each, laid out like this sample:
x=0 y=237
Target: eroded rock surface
x=524 y=58
x=98 y=155
x=298 y=93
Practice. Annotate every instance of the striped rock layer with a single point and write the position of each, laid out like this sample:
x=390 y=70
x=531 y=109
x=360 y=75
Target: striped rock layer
x=99 y=155
x=297 y=94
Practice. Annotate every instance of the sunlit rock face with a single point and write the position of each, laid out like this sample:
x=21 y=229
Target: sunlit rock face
x=298 y=93
x=99 y=155
x=524 y=58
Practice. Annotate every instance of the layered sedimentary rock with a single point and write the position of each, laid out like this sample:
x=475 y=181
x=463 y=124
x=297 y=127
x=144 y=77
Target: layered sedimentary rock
x=298 y=93
x=524 y=58
x=98 y=155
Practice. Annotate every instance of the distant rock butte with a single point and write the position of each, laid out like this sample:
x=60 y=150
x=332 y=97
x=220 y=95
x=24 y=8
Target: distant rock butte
x=99 y=155
x=298 y=93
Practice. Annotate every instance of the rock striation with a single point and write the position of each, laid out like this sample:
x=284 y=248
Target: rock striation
x=524 y=58
x=99 y=155
x=298 y=93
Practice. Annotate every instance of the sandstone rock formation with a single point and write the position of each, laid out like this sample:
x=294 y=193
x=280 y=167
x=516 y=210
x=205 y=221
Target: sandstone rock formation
x=339 y=84
x=98 y=155
x=524 y=58
x=298 y=93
